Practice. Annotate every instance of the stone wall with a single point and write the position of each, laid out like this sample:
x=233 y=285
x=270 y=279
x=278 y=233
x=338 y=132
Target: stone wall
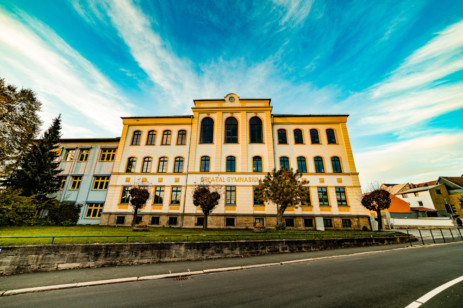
x=37 y=258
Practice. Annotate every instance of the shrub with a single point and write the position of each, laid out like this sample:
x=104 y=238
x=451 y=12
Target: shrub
x=63 y=213
x=281 y=226
x=16 y=210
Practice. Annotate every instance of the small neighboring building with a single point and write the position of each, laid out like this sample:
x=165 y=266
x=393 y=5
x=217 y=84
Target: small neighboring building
x=86 y=166
x=454 y=190
x=430 y=197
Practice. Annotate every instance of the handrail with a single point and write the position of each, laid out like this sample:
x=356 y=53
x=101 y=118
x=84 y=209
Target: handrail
x=187 y=236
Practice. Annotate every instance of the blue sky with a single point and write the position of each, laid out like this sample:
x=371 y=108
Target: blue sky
x=395 y=66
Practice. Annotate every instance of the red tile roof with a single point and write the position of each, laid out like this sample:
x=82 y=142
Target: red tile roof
x=398 y=205
x=454 y=179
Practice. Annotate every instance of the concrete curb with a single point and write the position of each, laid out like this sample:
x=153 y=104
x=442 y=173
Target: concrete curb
x=188 y=274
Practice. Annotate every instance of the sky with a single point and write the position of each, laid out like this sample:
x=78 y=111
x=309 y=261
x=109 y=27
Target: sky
x=396 y=67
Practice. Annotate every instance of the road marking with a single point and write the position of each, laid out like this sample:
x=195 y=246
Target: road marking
x=423 y=299
x=202 y=272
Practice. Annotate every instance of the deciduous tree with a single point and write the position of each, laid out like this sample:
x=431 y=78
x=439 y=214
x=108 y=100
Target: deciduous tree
x=284 y=188
x=138 y=197
x=207 y=200
x=377 y=200
x=19 y=124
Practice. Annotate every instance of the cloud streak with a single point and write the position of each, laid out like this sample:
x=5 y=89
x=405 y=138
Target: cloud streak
x=35 y=56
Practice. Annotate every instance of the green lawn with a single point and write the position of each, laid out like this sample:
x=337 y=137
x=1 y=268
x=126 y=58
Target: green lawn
x=162 y=234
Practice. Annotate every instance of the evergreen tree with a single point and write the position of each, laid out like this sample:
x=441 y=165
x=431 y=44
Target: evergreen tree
x=36 y=174
x=284 y=188
x=19 y=125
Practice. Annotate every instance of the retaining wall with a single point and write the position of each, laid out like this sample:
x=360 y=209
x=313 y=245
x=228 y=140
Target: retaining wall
x=37 y=258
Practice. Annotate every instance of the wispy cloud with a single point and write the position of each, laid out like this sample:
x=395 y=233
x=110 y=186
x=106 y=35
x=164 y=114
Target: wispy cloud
x=412 y=160
x=294 y=11
x=34 y=56
x=420 y=89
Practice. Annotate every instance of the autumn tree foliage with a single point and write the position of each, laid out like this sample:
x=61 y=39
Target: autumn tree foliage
x=284 y=188
x=377 y=200
x=138 y=197
x=19 y=124
x=207 y=200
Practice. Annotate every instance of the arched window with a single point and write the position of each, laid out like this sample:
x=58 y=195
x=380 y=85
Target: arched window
x=146 y=167
x=181 y=137
x=178 y=165
x=282 y=136
x=301 y=164
x=166 y=135
x=151 y=137
x=205 y=161
x=336 y=164
x=255 y=130
x=162 y=166
x=207 y=130
x=284 y=162
x=257 y=164
x=318 y=161
x=231 y=164
x=314 y=138
x=298 y=139
x=136 y=137
x=330 y=136
x=131 y=165
x=231 y=130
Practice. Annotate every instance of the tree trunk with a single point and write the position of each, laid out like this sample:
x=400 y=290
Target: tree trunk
x=280 y=212
x=134 y=220
x=205 y=222
x=380 y=220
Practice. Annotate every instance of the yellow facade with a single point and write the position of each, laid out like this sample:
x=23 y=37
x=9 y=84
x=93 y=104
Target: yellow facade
x=241 y=143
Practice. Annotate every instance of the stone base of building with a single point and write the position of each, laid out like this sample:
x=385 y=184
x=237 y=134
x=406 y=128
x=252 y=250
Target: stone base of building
x=241 y=221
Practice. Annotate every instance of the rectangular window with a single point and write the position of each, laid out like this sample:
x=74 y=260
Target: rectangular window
x=83 y=155
x=62 y=182
x=138 y=219
x=175 y=196
x=125 y=195
x=158 y=195
x=328 y=223
x=94 y=210
x=75 y=184
x=259 y=221
x=107 y=154
x=200 y=221
x=420 y=203
x=172 y=221
x=230 y=195
x=258 y=200
x=416 y=194
x=308 y=201
x=405 y=195
x=341 y=196
x=323 y=196
x=101 y=183
x=155 y=220
x=308 y=222
x=438 y=192
x=229 y=222
x=289 y=222
x=70 y=155
x=346 y=223
x=120 y=220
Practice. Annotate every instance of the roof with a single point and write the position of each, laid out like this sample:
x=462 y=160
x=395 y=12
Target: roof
x=159 y=117
x=425 y=184
x=394 y=189
x=398 y=205
x=309 y=115
x=74 y=140
x=418 y=189
x=422 y=209
x=458 y=180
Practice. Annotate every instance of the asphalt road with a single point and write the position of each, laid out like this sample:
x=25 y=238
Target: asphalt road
x=393 y=278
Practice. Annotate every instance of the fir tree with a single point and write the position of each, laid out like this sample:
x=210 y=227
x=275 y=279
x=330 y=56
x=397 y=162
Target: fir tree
x=38 y=168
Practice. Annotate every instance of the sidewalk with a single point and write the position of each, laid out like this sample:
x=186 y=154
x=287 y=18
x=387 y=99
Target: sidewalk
x=41 y=279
